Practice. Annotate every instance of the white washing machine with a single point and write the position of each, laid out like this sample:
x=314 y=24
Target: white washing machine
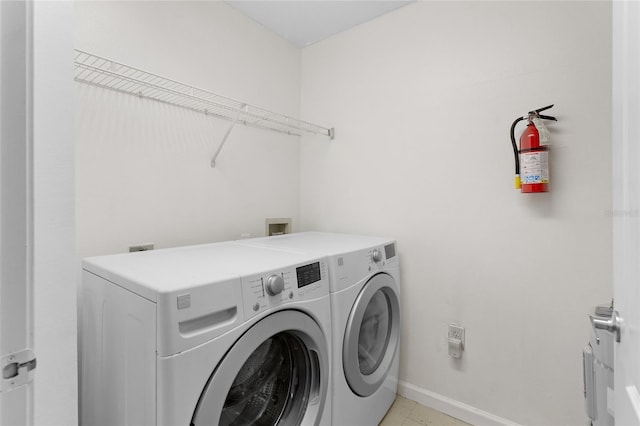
x=217 y=334
x=365 y=312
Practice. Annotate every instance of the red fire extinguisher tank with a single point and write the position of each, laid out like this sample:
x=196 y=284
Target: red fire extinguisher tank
x=534 y=161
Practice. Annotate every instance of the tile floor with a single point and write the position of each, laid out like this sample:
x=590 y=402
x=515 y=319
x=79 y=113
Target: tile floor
x=405 y=412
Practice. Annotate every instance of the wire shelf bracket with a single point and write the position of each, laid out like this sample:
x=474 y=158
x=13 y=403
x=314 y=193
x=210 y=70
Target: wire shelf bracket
x=108 y=74
x=226 y=135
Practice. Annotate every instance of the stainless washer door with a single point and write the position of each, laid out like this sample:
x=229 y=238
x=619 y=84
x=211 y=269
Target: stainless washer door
x=372 y=335
x=275 y=374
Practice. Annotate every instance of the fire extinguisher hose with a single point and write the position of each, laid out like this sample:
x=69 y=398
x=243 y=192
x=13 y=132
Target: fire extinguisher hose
x=515 y=150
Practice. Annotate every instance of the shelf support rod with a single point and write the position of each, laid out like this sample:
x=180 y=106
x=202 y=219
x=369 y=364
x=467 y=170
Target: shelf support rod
x=242 y=109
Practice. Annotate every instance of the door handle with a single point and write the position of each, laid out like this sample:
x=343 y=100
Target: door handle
x=613 y=324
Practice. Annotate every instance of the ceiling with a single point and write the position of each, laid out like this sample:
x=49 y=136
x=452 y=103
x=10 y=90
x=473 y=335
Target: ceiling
x=304 y=22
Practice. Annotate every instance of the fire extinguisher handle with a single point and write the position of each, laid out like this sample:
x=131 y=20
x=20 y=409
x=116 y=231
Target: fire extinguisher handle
x=547 y=117
x=543 y=108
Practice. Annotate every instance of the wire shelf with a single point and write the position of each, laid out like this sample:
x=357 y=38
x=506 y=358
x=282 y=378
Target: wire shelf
x=98 y=71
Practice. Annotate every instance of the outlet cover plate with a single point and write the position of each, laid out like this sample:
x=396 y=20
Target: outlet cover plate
x=455 y=340
x=456 y=333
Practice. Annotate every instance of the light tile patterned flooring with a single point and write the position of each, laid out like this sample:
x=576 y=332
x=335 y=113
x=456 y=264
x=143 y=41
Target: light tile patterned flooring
x=405 y=412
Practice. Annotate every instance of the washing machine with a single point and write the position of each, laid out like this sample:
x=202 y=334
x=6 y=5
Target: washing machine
x=365 y=312
x=216 y=334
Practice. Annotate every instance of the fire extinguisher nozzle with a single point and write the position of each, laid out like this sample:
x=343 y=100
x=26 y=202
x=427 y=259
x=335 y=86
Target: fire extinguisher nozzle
x=518 y=184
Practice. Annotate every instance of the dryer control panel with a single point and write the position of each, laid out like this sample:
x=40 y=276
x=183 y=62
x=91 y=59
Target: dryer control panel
x=380 y=257
x=353 y=267
x=305 y=281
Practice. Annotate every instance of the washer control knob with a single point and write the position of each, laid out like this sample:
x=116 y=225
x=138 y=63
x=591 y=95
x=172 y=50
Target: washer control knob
x=376 y=256
x=275 y=285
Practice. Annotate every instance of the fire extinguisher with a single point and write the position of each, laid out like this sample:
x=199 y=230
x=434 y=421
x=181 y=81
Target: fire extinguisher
x=532 y=159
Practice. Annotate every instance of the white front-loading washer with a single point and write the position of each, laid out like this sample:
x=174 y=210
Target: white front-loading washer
x=365 y=311
x=217 y=334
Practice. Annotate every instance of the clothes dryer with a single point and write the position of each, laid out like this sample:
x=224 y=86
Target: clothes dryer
x=217 y=334
x=365 y=311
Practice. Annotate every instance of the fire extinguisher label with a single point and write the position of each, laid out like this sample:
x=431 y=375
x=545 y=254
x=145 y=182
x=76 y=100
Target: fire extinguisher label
x=534 y=167
x=543 y=132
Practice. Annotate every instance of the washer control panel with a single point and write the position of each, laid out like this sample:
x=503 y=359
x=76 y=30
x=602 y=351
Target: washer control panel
x=274 y=284
x=273 y=288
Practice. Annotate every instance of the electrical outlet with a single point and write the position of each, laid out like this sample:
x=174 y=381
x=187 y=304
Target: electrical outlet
x=141 y=247
x=455 y=340
x=456 y=332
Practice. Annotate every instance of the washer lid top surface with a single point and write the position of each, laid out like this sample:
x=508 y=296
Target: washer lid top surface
x=149 y=273
x=321 y=243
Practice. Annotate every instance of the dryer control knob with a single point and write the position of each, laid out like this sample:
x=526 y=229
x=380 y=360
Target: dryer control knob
x=376 y=256
x=275 y=285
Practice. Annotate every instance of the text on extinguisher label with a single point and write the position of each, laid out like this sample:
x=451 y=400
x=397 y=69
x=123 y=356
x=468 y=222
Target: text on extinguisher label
x=534 y=167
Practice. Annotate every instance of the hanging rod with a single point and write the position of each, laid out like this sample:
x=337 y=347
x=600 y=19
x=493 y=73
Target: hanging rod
x=106 y=73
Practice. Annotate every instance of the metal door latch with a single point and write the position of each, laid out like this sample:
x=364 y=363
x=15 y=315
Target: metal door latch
x=17 y=369
x=612 y=324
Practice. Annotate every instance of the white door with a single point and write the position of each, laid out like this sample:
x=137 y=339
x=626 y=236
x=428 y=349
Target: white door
x=16 y=312
x=626 y=204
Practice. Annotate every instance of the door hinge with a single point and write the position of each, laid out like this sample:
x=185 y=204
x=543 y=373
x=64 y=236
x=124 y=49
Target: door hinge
x=17 y=369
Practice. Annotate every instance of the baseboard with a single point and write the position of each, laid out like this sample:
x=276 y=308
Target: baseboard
x=449 y=406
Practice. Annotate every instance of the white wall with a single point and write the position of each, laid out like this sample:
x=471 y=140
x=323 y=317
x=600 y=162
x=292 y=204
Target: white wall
x=55 y=264
x=143 y=167
x=422 y=100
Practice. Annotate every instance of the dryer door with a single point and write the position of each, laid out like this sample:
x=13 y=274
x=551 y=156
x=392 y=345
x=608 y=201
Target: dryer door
x=275 y=374
x=372 y=335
